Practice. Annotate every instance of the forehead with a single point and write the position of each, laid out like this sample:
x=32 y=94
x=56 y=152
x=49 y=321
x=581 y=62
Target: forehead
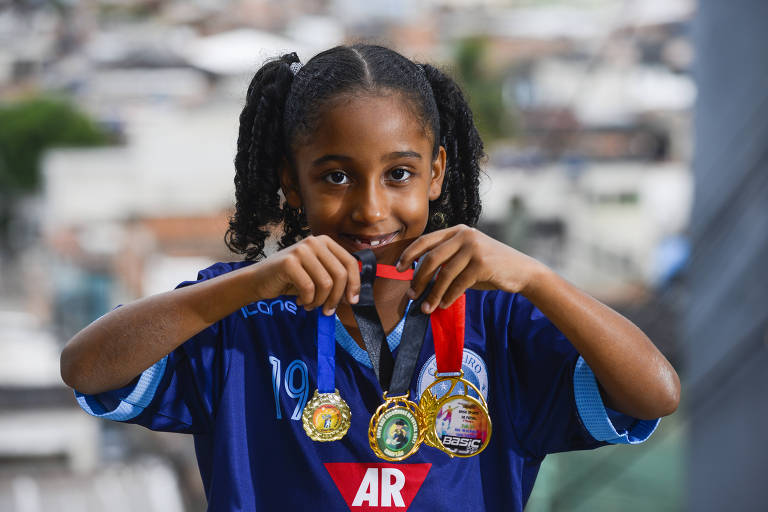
x=366 y=124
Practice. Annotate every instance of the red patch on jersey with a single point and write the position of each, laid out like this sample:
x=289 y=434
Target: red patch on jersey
x=376 y=486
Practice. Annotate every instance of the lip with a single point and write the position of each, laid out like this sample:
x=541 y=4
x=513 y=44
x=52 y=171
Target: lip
x=369 y=241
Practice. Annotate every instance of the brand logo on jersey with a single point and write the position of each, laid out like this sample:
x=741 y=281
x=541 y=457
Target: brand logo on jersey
x=269 y=308
x=377 y=486
x=475 y=371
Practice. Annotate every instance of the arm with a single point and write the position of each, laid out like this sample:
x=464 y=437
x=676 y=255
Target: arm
x=636 y=379
x=113 y=350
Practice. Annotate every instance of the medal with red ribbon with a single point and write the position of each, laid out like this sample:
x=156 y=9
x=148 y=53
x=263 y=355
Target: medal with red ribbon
x=457 y=422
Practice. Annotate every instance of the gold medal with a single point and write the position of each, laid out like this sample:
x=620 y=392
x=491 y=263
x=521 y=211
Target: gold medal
x=326 y=417
x=396 y=429
x=458 y=424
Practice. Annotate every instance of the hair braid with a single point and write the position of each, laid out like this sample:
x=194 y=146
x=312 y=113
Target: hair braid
x=460 y=201
x=260 y=153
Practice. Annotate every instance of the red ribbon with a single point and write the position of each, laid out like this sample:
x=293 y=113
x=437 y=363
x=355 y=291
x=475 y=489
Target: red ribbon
x=390 y=272
x=447 y=324
x=448 y=334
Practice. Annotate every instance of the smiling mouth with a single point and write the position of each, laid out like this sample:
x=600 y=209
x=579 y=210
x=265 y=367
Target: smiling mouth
x=371 y=242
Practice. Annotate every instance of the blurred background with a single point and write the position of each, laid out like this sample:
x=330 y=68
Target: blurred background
x=118 y=123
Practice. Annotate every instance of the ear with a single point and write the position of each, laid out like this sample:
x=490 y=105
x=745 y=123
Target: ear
x=438 y=174
x=289 y=185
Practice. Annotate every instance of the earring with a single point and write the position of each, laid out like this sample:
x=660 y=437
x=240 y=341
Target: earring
x=438 y=220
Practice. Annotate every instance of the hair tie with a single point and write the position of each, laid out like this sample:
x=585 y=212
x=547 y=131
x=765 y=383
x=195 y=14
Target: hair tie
x=295 y=67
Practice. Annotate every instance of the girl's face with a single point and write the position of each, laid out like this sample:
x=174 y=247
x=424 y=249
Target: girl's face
x=366 y=175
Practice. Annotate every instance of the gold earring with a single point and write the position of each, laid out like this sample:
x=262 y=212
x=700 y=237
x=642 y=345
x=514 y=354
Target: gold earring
x=438 y=219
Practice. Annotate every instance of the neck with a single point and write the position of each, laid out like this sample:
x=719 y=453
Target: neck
x=390 y=299
x=388 y=294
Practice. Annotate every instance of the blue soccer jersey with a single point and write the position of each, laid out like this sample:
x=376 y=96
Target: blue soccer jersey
x=240 y=386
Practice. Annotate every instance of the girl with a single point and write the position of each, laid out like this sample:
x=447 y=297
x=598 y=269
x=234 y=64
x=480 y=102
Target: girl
x=362 y=148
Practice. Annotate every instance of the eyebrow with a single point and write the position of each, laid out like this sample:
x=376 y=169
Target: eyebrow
x=344 y=158
x=401 y=154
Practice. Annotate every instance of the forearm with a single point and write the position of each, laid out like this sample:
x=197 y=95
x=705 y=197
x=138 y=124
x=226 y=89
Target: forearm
x=111 y=351
x=635 y=377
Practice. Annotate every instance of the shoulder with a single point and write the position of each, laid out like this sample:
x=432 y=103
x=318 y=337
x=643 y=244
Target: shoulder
x=216 y=269
x=496 y=303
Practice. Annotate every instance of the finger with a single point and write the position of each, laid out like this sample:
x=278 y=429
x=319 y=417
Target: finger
x=300 y=280
x=320 y=278
x=421 y=245
x=459 y=285
x=431 y=262
x=452 y=268
x=338 y=273
x=352 y=271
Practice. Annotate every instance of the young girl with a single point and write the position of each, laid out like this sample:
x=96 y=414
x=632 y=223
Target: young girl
x=363 y=148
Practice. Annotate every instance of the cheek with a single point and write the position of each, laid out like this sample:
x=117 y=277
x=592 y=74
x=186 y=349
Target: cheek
x=415 y=210
x=323 y=214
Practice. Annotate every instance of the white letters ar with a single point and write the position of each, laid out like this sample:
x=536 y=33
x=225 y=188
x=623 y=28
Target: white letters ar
x=391 y=483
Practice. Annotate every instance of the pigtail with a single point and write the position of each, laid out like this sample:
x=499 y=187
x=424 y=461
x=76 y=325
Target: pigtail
x=459 y=202
x=261 y=151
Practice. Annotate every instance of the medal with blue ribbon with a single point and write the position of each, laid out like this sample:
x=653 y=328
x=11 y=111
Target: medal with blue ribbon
x=326 y=417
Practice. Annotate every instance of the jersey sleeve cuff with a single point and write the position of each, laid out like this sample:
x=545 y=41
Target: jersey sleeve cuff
x=125 y=403
x=604 y=424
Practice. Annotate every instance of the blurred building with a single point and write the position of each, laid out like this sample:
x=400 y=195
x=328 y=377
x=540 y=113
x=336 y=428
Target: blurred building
x=595 y=183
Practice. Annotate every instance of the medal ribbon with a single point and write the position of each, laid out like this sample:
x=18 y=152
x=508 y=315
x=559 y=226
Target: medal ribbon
x=448 y=334
x=326 y=353
x=396 y=375
x=390 y=272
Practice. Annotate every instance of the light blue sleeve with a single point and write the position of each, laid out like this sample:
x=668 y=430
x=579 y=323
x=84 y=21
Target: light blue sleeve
x=128 y=402
x=605 y=424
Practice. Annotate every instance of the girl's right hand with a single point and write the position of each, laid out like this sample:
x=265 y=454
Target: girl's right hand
x=317 y=270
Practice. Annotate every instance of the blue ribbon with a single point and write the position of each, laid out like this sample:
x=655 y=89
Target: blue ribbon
x=326 y=353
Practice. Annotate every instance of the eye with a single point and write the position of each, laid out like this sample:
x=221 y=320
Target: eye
x=400 y=174
x=337 y=178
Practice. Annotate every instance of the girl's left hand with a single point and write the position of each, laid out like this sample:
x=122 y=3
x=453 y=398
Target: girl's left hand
x=466 y=258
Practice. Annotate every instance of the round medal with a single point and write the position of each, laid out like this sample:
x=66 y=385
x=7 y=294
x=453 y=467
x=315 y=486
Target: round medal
x=462 y=426
x=326 y=417
x=457 y=423
x=396 y=429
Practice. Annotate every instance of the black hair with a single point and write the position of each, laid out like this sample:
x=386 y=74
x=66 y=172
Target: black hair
x=282 y=107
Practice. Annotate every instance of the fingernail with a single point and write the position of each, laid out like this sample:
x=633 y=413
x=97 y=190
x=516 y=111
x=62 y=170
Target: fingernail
x=330 y=312
x=399 y=266
x=411 y=293
x=355 y=298
x=426 y=307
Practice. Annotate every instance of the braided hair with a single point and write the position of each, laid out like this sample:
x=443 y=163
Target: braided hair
x=282 y=108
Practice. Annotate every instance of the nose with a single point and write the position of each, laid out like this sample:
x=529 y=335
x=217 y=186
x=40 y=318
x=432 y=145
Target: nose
x=371 y=203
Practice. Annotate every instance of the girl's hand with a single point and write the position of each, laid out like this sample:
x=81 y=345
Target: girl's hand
x=317 y=270
x=466 y=258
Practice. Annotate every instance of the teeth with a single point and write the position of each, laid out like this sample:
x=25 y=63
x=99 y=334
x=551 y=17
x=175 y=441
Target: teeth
x=372 y=243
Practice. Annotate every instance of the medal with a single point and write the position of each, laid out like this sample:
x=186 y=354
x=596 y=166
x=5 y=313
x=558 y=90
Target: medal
x=396 y=429
x=326 y=417
x=458 y=422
